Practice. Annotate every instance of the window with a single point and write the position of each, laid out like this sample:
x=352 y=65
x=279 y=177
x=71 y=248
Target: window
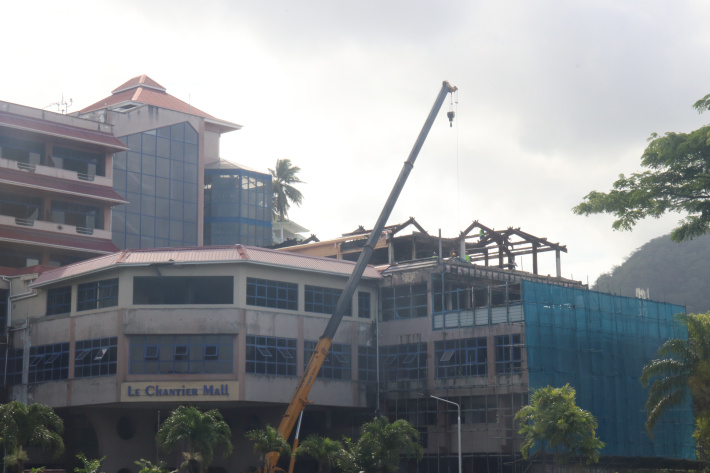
x=322 y=300
x=183 y=290
x=97 y=295
x=337 y=364
x=271 y=355
x=14 y=366
x=363 y=305
x=96 y=357
x=84 y=163
x=508 y=354
x=168 y=354
x=49 y=363
x=274 y=294
x=21 y=207
x=82 y=216
x=404 y=302
x=59 y=300
x=406 y=361
x=22 y=151
x=454 y=298
x=465 y=357
x=367 y=363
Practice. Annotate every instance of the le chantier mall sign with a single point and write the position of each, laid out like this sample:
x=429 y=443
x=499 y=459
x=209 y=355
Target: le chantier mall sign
x=146 y=391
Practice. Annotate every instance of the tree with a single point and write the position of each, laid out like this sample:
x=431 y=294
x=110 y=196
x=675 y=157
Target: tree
x=198 y=433
x=24 y=426
x=555 y=422
x=267 y=441
x=90 y=466
x=284 y=176
x=678 y=180
x=325 y=451
x=682 y=365
x=379 y=448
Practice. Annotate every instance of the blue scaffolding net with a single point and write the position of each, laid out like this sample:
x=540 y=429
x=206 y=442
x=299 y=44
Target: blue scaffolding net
x=599 y=343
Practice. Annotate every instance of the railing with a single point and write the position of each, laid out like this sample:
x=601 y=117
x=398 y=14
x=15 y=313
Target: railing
x=85 y=177
x=85 y=230
x=25 y=222
x=26 y=166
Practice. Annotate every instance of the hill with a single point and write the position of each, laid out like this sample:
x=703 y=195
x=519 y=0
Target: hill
x=673 y=272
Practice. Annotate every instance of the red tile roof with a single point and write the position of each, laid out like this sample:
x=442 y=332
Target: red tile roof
x=45 y=127
x=56 y=240
x=144 y=90
x=27 y=179
x=207 y=255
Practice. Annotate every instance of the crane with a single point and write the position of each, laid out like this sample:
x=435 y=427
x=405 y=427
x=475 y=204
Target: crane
x=299 y=398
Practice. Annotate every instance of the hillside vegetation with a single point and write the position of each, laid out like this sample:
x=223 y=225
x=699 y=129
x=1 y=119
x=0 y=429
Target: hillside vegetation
x=678 y=273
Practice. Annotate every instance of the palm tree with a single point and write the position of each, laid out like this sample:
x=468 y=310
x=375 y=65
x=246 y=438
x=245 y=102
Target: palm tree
x=379 y=448
x=267 y=441
x=198 y=432
x=325 y=451
x=283 y=178
x=681 y=365
x=23 y=426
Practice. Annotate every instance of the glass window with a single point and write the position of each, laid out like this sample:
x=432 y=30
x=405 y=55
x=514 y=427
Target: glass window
x=404 y=302
x=59 y=300
x=363 y=305
x=49 y=363
x=337 y=364
x=95 y=357
x=405 y=361
x=271 y=355
x=508 y=354
x=464 y=357
x=168 y=354
x=274 y=294
x=323 y=300
x=180 y=290
x=97 y=295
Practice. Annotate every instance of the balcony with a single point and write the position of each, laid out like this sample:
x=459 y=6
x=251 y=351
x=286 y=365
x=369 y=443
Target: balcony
x=56 y=172
x=59 y=228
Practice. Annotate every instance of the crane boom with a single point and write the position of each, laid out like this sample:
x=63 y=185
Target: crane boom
x=300 y=396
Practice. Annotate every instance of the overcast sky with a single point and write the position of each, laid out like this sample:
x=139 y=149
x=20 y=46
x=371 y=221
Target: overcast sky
x=556 y=98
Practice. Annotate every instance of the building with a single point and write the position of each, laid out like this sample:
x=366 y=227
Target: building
x=116 y=342
x=56 y=187
x=173 y=160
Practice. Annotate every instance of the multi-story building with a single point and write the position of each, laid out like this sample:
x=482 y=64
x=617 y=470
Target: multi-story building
x=179 y=191
x=115 y=343
x=56 y=187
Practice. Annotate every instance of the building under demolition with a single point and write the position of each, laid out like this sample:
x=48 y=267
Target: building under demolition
x=115 y=343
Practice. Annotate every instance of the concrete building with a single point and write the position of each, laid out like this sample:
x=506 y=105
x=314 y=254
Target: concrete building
x=116 y=342
x=56 y=187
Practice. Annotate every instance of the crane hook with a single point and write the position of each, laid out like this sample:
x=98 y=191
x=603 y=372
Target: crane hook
x=451 y=114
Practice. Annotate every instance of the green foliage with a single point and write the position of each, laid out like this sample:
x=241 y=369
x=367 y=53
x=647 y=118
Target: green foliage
x=325 y=451
x=146 y=466
x=681 y=365
x=678 y=180
x=197 y=432
x=674 y=273
x=554 y=421
x=90 y=466
x=283 y=178
x=379 y=447
x=17 y=458
x=267 y=441
x=23 y=426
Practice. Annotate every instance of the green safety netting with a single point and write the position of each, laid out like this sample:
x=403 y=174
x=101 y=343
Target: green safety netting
x=598 y=343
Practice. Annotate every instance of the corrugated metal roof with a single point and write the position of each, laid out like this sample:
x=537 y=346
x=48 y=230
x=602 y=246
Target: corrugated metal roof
x=144 y=90
x=45 y=127
x=62 y=186
x=207 y=254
